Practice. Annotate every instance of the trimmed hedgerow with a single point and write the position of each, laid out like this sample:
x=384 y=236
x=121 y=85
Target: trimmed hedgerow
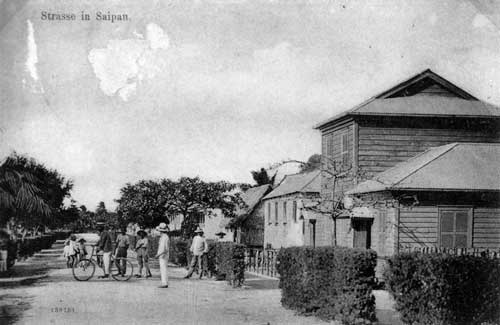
x=444 y=289
x=178 y=251
x=333 y=283
x=230 y=262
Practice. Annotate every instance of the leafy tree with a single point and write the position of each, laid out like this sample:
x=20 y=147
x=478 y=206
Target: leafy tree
x=39 y=192
x=18 y=192
x=145 y=202
x=313 y=163
x=262 y=178
x=151 y=202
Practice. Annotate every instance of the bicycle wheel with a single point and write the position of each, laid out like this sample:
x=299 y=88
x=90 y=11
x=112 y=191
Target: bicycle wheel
x=83 y=270
x=121 y=269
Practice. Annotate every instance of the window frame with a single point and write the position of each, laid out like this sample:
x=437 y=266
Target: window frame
x=344 y=149
x=284 y=206
x=470 y=224
x=294 y=211
x=269 y=220
x=276 y=213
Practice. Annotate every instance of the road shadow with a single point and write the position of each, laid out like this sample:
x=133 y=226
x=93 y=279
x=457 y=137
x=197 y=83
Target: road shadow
x=12 y=307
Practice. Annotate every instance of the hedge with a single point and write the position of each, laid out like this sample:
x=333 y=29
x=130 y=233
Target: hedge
x=332 y=283
x=230 y=262
x=445 y=289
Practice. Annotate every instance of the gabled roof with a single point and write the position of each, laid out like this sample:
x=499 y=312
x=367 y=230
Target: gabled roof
x=452 y=167
x=426 y=94
x=253 y=195
x=297 y=183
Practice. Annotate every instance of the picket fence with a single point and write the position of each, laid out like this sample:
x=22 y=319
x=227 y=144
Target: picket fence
x=261 y=261
x=492 y=253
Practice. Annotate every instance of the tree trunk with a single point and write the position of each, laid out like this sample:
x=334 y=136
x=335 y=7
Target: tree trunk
x=334 y=231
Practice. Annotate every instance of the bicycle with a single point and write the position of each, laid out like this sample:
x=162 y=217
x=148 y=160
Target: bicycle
x=84 y=269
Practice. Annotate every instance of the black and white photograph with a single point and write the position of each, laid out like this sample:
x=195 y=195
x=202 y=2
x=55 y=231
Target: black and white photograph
x=256 y=162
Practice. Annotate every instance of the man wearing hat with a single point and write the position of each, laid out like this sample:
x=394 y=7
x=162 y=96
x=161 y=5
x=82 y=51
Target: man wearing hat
x=105 y=244
x=198 y=248
x=162 y=254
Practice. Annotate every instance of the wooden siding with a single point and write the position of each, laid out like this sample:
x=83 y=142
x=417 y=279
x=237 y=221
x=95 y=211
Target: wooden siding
x=486 y=229
x=334 y=137
x=381 y=147
x=418 y=226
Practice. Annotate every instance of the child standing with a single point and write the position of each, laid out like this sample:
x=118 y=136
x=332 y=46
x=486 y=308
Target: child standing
x=72 y=250
x=82 y=250
x=142 y=249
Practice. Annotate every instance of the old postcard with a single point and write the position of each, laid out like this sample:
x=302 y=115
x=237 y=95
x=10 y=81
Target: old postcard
x=249 y=162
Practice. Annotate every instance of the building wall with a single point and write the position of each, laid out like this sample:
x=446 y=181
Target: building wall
x=331 y=145
x=283 y=231
x=251 y=233
x=385 y=143
x=210 y=225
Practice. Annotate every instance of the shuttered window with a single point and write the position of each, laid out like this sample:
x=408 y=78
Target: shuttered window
x=344 y=149
x=329 y=146
x=294 y=211
x=269 y=212
x=284 y=213
x=455 y=227
x=276 y=212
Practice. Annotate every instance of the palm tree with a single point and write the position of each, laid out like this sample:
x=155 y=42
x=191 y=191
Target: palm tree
x=18 y=192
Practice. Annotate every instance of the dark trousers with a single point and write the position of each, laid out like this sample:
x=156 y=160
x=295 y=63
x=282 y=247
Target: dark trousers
x=196 y=260
x=121 y=264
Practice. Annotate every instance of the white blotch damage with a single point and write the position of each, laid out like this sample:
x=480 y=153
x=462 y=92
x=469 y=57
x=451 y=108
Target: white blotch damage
x=31 y=61
x=123 y=64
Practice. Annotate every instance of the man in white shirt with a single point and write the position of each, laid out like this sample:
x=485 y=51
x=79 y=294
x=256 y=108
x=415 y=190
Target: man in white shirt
x=198 y=248
x=162 y=254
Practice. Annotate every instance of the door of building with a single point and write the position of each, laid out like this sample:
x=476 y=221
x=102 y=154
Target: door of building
x=312 y=232
x=362 y=233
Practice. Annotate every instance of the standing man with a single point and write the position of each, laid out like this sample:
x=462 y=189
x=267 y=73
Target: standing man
x=105 y=244
x=198 y=248
x=162 y=255
x=122 y=244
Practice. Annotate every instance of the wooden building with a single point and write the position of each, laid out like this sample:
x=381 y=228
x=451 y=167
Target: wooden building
x=287 y=223
x=425 y=127
x=249 y=222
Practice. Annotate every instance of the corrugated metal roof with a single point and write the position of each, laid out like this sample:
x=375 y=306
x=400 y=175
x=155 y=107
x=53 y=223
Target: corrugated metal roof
x=421 y=104
x=297 y=183
x=452 y=167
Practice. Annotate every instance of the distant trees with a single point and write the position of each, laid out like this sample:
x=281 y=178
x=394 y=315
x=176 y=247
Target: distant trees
x=149 y=202
x=313 y=163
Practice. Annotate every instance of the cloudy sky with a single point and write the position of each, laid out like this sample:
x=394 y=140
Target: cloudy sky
x=216 y=88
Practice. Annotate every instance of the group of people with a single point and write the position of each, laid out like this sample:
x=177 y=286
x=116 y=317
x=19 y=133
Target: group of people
x=74 y=250
x=105 y=247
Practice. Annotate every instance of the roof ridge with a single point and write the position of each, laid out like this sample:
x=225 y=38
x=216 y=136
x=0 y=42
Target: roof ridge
x=451 y=146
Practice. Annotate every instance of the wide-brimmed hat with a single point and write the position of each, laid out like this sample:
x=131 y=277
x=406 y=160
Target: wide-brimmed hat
x=198 y=230
x=141 y=232
x=162 y=227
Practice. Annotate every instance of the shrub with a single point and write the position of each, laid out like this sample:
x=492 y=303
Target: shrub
x=230 y=262
x=178 y=251
x=333 y=283
x=444 y=289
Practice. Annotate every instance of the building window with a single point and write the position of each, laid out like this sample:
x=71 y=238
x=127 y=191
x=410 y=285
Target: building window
x=329 y=146
x=344 y=149
x=276 y=212
x=294 y=211
x=284 y=213
x=269 y=212
x=455 y=227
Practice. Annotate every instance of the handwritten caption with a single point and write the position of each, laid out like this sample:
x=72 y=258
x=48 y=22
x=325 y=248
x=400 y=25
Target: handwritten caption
x=108 y=16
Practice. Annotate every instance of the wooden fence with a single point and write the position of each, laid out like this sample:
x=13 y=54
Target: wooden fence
x=492 y=253
x=261 y=261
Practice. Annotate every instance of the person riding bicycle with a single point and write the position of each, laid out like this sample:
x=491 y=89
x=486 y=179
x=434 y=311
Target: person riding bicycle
x=105 y=244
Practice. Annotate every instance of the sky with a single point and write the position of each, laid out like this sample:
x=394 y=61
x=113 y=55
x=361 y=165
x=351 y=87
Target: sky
x=216 y=88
